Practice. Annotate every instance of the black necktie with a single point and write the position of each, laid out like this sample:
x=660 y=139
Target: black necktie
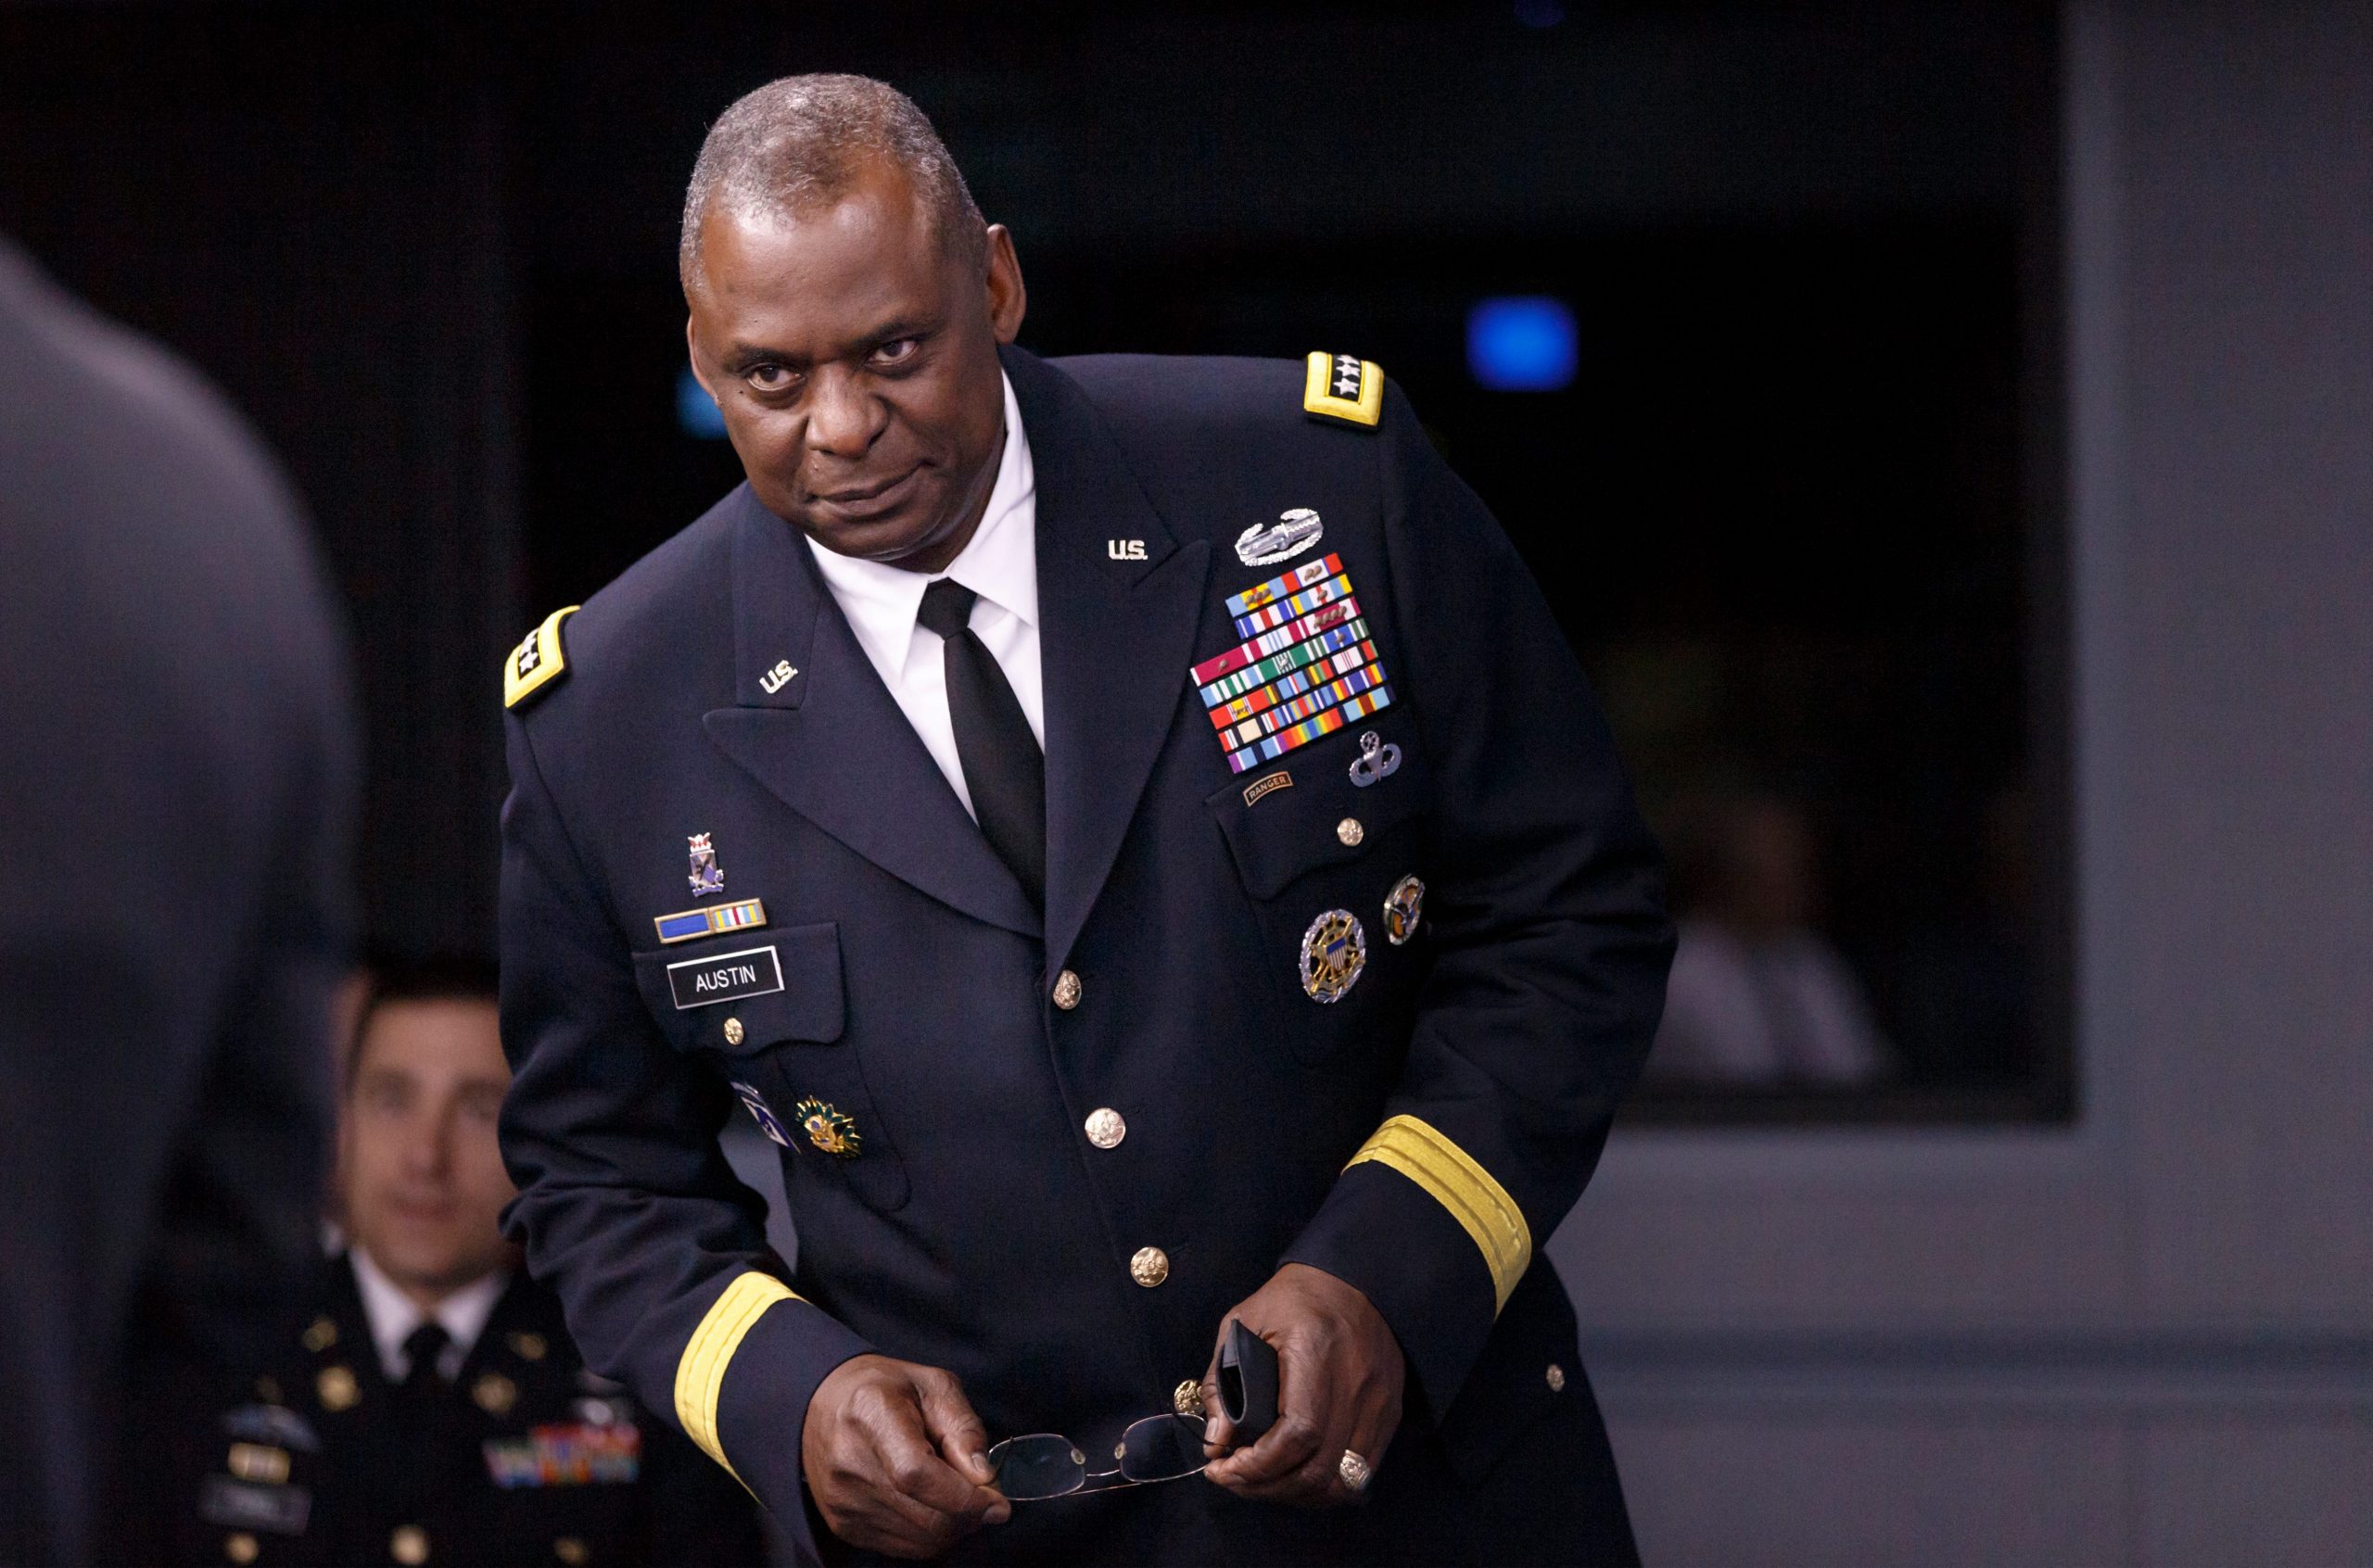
x=423 y=1347
x=1004 y=770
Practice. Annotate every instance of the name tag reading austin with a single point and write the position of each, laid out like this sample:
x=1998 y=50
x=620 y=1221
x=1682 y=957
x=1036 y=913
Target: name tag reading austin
x=1156 y=870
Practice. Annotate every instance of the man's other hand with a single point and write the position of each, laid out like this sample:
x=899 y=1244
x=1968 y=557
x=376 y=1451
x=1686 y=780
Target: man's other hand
x=1340 y=1375
x=895 y=1459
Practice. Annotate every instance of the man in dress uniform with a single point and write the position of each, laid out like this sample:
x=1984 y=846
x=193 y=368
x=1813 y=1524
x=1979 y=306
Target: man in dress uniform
x=1131 y=830
x=431 y=1407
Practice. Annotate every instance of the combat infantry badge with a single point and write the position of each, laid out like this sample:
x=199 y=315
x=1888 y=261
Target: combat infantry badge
x=1293 y=532
x=1334 y=950
x=708 y=877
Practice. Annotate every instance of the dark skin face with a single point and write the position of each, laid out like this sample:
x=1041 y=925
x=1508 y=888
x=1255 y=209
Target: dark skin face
x=853 y=355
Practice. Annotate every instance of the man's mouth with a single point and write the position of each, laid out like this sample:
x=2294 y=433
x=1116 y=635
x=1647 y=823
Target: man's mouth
x=860 y=502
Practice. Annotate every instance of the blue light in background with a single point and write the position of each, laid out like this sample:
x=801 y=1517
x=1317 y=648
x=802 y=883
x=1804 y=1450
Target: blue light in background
x=1521 y=343
x=696 y=411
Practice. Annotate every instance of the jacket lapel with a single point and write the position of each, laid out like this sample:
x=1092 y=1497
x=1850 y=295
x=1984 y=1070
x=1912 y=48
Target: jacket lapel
x=831 y=742
x=1116 y=638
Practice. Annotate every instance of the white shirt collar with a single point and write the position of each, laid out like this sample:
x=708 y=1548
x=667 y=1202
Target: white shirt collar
x=393 y=1315
x=999 y=563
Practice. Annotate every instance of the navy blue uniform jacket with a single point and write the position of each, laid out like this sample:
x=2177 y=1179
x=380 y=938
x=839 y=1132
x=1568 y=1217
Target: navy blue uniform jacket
x=1417 y=1137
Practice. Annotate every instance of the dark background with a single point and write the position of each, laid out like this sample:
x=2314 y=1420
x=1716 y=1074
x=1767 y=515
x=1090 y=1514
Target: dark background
x=1797 y=514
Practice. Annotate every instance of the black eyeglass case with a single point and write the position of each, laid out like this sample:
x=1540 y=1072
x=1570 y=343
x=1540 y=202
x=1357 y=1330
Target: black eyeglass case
x=1247 y=1384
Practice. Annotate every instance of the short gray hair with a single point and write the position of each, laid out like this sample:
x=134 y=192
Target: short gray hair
x=797 y=142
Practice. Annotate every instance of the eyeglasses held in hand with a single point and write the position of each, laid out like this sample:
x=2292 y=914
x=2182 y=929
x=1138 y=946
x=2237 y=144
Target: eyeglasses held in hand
x=1162 y=1447
x=1043 y=1464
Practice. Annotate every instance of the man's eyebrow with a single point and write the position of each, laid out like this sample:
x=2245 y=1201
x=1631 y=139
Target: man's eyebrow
x=747 y=356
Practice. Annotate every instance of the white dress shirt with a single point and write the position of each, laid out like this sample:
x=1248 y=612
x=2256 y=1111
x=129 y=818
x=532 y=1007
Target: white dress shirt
x=393 y=1316
x=1000 y=564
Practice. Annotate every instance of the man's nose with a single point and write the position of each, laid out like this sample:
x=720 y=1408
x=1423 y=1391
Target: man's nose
x=842 y=417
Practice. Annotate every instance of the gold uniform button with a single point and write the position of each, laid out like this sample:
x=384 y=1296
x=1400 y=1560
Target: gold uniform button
x=409 y=1545
x=321 y=1335
x=337 y=1388
x=1149 y=1267
x=240 y=1546
x=1105 y=1128
x=1557 y=1378
x=1351 y=832
x=1067 y=990
x=495 y=1394
x=529 y=1347
x=569 y=1550
x=733 y=1032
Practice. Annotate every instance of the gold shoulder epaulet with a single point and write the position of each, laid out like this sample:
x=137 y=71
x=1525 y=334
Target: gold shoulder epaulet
x=538 y=661
x=1343 y=389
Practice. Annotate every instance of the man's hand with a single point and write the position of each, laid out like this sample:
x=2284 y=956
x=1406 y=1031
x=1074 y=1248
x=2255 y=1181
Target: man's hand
x=1340 y=1375
x=895 y=1459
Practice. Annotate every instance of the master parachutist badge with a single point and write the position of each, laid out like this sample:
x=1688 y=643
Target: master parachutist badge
x=1379 y=758
x=1334 y=950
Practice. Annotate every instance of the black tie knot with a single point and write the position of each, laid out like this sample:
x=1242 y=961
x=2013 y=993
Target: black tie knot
x=948 y=607
x=423 y=1347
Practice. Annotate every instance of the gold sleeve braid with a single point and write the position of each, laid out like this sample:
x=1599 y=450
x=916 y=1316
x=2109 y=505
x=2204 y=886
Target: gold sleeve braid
x=700 y=1374
x=1451 y=1178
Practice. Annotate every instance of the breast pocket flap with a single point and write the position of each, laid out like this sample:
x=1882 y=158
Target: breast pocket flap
x=749 y=990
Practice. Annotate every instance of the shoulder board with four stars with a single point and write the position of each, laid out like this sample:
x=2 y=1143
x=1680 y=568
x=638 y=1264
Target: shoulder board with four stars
x=1343 y=389
x=538 y=661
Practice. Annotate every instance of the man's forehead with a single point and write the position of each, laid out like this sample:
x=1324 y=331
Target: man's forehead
x=443 y=1038
x=836 y=259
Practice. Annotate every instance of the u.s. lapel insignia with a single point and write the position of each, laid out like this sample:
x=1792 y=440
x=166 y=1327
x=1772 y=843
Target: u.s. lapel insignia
x=1293 y=532
x=775 y=679
x=715 y=921
x=1402 y=908
x=755 y=1103
x=828 y=1128
x=1378 y=759
x=708 y=877
x=1334 y=950
x=1342 y=389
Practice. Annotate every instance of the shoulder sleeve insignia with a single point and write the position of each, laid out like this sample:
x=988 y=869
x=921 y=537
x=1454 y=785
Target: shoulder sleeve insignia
x=537 y=662
x=1343 y=389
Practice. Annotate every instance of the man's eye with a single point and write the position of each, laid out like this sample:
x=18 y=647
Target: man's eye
x=897 y=349
x=768 y=378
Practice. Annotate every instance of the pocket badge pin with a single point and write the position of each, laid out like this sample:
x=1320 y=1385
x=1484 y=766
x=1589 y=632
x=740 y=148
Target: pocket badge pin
x=1402 y=908
x=707 y=875
x=1334 y=950
x=828 y=1128
x=1379 y=758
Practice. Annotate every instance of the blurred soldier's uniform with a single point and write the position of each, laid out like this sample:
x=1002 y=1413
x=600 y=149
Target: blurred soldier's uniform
x=492 y=1445
x=176 y=791
x=1350 y=943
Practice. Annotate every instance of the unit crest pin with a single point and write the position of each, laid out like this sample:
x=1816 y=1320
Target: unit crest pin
x=708 y=877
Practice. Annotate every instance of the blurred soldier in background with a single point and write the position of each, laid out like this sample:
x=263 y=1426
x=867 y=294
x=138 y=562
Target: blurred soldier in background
x=430 y=1407
x=175 y=799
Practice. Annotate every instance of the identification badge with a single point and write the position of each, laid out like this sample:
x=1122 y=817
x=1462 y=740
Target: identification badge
x=725 y=976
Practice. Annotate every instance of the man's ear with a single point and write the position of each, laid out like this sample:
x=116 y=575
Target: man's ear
x=1008 y=300
x=692 y=352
